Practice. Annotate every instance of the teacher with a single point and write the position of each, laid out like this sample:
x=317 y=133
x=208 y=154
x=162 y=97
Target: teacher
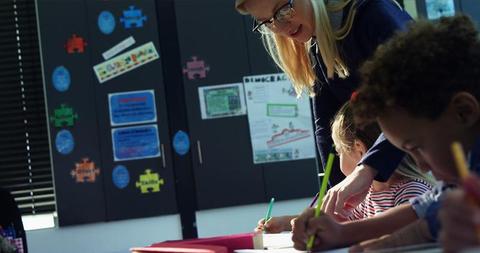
x=320 y=45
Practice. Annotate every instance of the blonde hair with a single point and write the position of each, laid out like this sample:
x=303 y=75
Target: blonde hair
x=293 y=57
x=345 y=133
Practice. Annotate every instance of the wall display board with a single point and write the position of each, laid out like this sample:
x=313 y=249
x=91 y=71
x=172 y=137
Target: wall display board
x=106 y=103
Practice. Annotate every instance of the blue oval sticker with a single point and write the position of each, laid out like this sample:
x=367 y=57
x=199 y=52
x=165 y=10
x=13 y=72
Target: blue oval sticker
x=64 y=142
x=181 y=143
x=120 y=176
x=106 y=22
x=61 y=78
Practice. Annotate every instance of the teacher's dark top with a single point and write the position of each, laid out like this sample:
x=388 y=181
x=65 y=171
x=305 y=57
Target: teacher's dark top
x=374 y=23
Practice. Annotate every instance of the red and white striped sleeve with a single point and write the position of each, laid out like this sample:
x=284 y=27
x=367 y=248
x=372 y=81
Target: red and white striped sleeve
x=410 y=189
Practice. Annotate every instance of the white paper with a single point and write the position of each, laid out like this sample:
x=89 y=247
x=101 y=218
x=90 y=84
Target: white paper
x=281 y=126
x=277 y=240
x=118 y=48
x=287 y=250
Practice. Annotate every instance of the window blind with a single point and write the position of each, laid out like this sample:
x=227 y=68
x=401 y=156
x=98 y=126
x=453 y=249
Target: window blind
x=24 y=149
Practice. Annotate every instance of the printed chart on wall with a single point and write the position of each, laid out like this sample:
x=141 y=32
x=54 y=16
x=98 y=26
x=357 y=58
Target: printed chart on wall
x=219 y=101
x=280 y=124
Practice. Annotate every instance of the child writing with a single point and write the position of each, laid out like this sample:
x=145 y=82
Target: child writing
x=351 y=143
x=432 y=101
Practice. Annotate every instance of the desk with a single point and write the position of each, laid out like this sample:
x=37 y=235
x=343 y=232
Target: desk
x=287 y=250
x=282 y=243
x=253 y=243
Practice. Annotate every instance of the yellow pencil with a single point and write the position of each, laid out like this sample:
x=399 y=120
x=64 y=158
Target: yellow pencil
x=460 y=160
x=463 y=172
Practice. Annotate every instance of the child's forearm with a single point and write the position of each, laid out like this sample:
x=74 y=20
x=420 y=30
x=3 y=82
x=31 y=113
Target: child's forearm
x=415 y=233
x=290 y=217
x=385 y=223
x=288 y=220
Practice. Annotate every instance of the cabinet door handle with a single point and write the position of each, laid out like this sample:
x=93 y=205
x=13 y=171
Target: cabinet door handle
x=163 y=157
x=199 y=150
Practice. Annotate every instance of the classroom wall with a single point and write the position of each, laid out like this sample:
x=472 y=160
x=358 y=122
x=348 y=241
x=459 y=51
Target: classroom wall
x=119 y=236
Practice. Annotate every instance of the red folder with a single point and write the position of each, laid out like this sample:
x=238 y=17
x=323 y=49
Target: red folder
x=219 y=244
x=179 y=248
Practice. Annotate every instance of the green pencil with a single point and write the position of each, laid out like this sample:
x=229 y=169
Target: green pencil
x=268 y=216
x=321 y=193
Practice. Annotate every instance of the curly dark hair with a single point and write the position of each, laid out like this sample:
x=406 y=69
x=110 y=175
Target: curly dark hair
x=421 y=69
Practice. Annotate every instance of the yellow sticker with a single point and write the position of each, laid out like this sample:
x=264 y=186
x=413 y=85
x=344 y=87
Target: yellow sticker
x=149 y=181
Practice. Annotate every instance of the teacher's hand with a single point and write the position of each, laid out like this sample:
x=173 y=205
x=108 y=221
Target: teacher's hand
x=341 y=199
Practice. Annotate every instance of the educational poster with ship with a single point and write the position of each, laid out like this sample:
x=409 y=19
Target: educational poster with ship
x=280 y=124
x=219 y=101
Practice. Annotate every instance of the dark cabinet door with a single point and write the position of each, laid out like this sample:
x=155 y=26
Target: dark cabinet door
x=151 y=187
x=212 y=32
x=215 y=34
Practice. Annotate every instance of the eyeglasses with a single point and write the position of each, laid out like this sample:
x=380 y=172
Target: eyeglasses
x=281 y=17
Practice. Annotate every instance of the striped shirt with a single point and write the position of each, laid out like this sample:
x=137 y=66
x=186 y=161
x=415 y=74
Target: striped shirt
x=398 y=193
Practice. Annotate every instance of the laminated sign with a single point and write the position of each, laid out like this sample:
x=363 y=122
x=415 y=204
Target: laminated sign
x=125 y=62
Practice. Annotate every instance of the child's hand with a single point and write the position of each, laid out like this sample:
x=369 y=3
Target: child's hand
x=460 y=218
x=275 y=224
x=328 y=233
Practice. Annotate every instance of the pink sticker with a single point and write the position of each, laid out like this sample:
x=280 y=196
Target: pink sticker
x=196 y=69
